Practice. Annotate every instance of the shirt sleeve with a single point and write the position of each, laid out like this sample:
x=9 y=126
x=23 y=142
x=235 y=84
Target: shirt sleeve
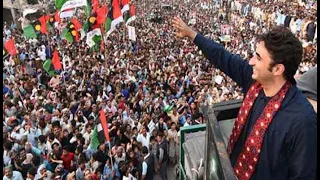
x=144 y=168
x=302 y=148
x=232 y=65
x=19 y=175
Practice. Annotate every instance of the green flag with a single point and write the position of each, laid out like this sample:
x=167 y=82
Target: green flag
x=59 y=3
x=47 y=66
x=88 y=8
x=94 y=143
x=29 y=32
x=168 y=108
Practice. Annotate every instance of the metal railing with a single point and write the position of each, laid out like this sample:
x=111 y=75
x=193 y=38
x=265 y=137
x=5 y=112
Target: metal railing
x=217 y=162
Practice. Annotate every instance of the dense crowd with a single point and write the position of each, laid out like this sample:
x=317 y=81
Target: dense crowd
x=148 y=89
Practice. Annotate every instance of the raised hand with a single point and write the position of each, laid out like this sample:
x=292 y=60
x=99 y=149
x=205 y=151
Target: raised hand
x=183 y=30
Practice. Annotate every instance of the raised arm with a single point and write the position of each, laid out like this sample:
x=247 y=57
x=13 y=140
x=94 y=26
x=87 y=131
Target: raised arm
x=232 y=65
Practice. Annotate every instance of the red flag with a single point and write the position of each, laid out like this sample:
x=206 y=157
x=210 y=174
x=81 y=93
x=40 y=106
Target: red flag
x=104 y=124
x=56 y=16
x=95 y=5
x=47 y=17
x=76 y=23
x=116 y=9
x=10 y=47
x=132 y=10
x=56 y=61
x=102 y=14
x=43 y=28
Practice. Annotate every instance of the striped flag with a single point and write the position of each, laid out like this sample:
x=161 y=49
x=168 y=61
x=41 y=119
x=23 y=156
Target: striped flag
x=102 y=127
x=124 y=5
x=114 y=17
x=131 y=16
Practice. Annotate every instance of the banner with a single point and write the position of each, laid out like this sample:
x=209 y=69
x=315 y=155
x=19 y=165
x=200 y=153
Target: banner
x=28 y=11
x=71 y=4
x=66 y=14
x=132 y=33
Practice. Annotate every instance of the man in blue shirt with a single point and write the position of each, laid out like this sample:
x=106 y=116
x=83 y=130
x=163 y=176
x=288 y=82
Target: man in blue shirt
x=287 y=136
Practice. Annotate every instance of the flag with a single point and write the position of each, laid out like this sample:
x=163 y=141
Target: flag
x=124 y=5
x=76 y=23
x=93 y=37
x=59 y=3
x=43 y=25
x=70 y=33
x=94 y=142
x=92 y=22
x=71 y=4
x=35 y=28
x=101 y=14
x=29 y=32
x=88 y=8
x=56 y=62
x=95 y=5
x=47 y=66
x=57 y=16
x=114 y=17
x=51 y=20
x=10 y=47
x=104 y=124
x=131 y=16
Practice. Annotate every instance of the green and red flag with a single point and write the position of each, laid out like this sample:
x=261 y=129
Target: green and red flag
x=48 y=67
x=70 y=33
x=114 y=17
x=131 y=15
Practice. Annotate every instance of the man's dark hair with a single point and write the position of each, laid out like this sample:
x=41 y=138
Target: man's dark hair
x=284 y=48
x=32 y=171
x=8 y=145
x=144 y=150
x=66 y=147
x=51 y=136
x=160 y=134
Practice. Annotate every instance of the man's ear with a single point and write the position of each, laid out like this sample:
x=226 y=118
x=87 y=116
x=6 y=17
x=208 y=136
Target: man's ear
x=278 y=69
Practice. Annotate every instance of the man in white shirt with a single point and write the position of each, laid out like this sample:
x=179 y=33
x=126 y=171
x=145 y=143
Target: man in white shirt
x=12 y=175
x=144 y=137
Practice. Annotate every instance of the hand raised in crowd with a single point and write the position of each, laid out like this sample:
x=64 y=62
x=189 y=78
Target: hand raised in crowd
x=182 y=29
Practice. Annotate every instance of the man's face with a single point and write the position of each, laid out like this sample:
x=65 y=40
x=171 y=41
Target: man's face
x=8 y=173
x=56 y=147
x=30 y=176
x=260 y=62
x=65 y=152
x=23 y=154
x=159 y=139
x=56 y=131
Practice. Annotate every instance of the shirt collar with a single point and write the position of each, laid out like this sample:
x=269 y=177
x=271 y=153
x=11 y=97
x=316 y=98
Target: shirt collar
x=146 y=156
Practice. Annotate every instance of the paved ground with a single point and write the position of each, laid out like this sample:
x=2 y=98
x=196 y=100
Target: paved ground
x=170 y=172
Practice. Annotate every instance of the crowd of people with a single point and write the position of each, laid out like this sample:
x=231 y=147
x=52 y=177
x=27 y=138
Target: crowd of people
x=148 y=89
